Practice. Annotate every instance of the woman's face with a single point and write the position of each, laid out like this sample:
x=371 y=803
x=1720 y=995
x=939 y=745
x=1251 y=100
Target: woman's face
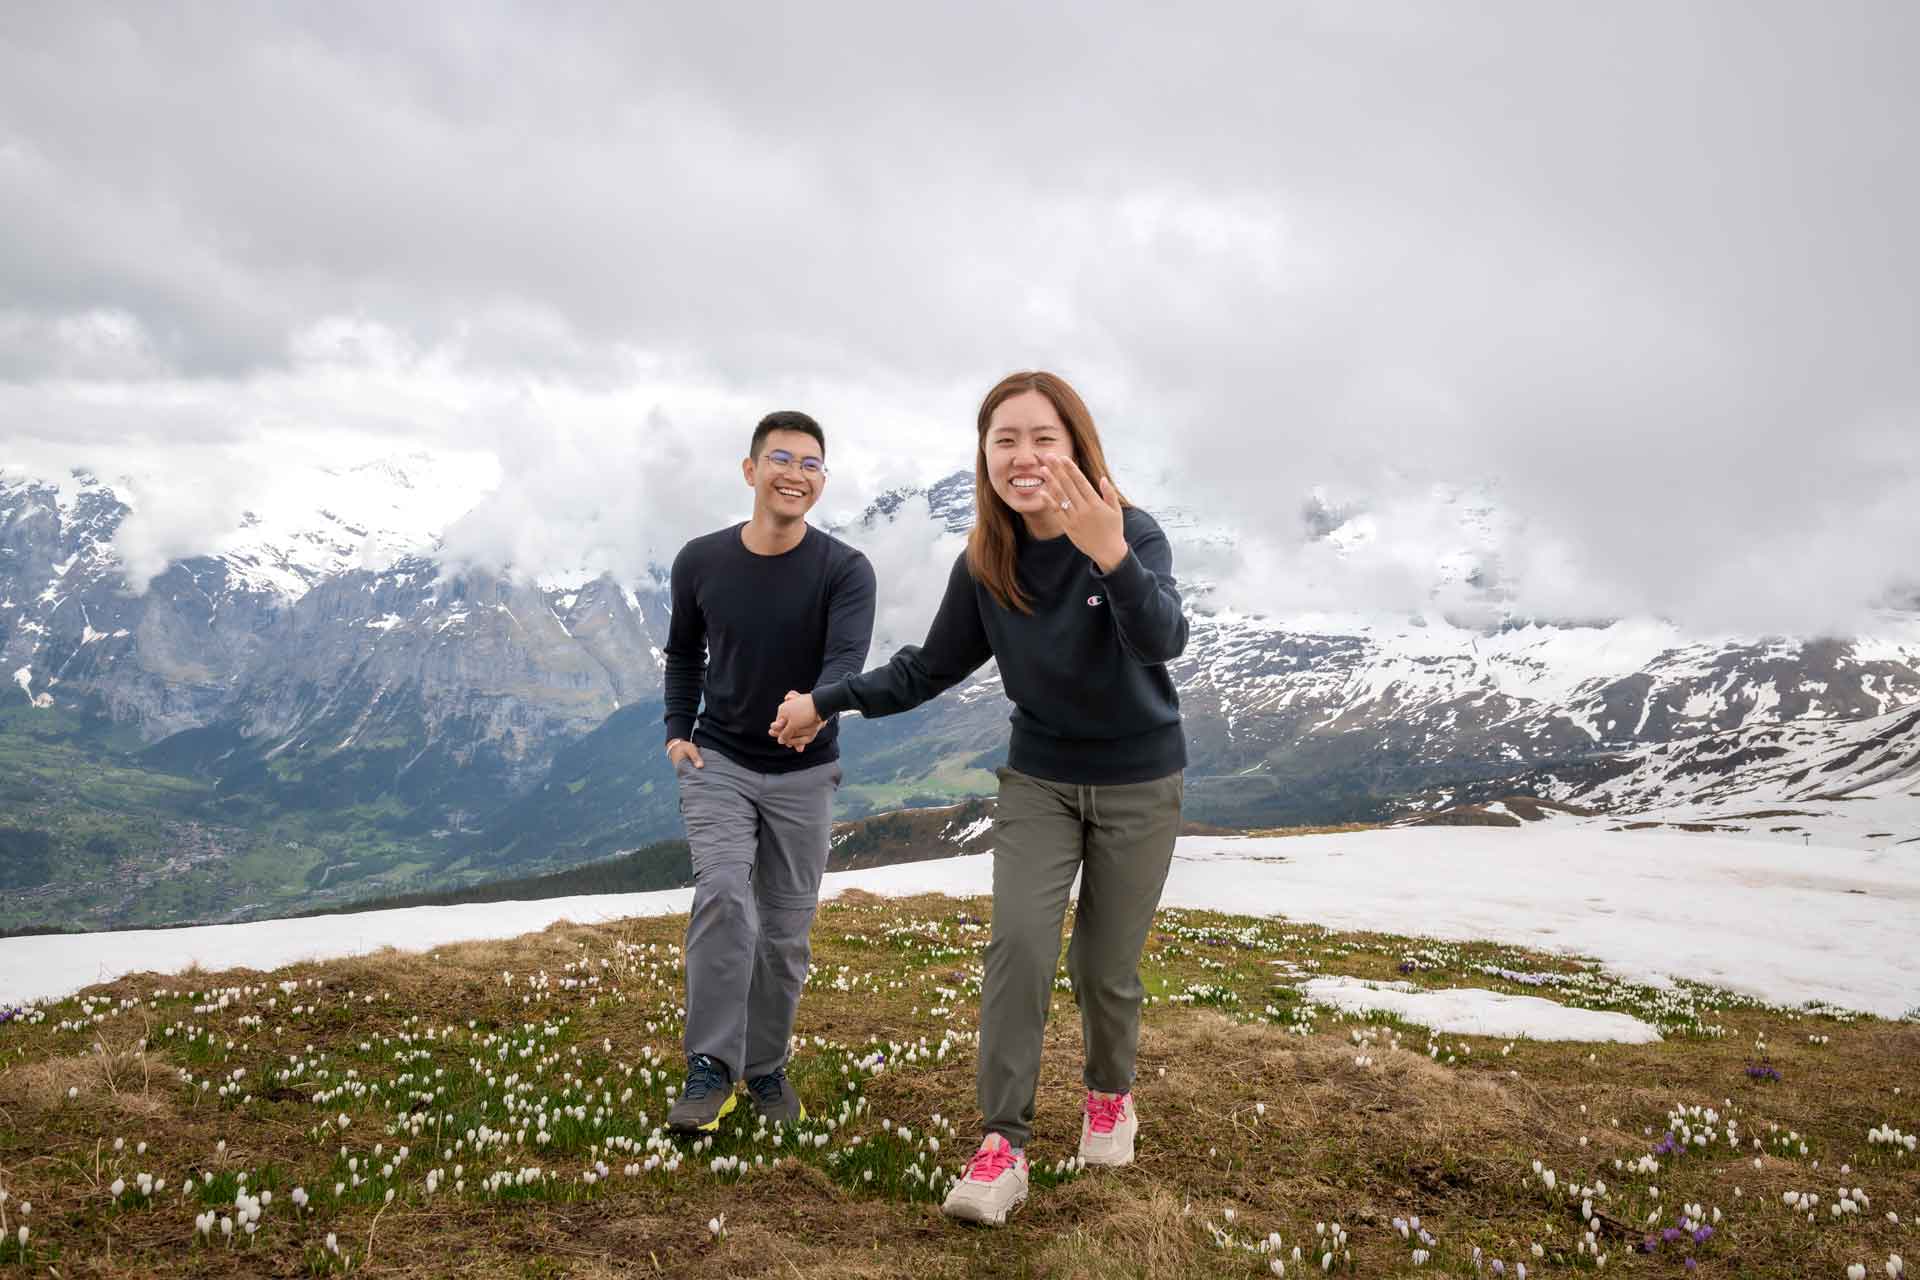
x=1023 y=429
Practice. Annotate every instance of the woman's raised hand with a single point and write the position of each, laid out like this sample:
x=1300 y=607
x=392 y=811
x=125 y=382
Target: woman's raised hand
x=1092 y=519
x=797 y=723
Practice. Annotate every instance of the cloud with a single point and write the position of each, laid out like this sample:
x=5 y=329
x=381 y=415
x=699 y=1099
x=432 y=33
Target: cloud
x=1645 y=274
x=579 y=498
x=178 y=512
x=911 y=557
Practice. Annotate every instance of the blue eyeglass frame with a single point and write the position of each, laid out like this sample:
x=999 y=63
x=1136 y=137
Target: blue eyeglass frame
x=781 y=458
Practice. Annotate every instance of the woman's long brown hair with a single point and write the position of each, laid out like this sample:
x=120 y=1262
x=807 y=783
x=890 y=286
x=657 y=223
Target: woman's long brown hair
x=993 y=546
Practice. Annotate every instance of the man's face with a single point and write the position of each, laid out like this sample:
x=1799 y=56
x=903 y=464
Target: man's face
x=787 y=475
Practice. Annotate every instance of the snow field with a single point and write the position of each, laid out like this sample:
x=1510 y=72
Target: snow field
x=1784 y=925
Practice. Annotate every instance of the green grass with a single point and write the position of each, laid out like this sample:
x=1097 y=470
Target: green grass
x=951 y=778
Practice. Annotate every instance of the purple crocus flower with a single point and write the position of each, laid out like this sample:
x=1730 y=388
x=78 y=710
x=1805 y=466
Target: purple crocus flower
x=1692 y=1265
x=1670 y=1234
x=1703 y=1235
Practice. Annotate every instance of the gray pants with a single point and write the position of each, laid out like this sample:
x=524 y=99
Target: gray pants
x=759 y=843
x=1119 y=839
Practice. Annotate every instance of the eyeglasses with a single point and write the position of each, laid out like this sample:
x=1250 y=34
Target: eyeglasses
x=785 y=461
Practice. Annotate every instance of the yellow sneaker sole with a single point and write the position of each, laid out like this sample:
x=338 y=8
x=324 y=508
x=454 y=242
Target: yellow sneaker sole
x=733 y=1100
x=726 y=1109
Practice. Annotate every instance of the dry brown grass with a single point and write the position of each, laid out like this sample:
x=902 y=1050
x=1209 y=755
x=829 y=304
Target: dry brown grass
x=1121 y=1230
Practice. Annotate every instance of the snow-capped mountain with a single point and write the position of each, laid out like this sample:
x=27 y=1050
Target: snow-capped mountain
x=320 y=659
x=318 y=524
x=327 y=613
x=1854 y=782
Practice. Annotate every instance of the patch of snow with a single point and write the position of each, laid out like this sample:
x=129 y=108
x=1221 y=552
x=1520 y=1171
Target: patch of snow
x=1474 y=1011
x=568 y=579
x=979 y=826
x=1702 y=705
x=24 y=678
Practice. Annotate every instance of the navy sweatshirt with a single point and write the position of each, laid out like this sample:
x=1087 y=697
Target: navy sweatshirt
x=746 y=628
x=1086 y=671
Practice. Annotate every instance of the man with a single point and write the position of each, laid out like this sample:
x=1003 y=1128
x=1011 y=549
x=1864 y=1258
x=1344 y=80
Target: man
x=759 y=609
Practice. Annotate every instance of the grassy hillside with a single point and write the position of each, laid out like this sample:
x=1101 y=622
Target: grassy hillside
x=87 y=833
x=97 y=831
x=492 y=1109
x=907 y=836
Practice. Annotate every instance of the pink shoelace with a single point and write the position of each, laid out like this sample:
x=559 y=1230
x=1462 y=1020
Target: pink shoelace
x=990 y=1161
x=1103 y=1113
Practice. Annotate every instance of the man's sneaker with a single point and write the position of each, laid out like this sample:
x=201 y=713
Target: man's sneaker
x=774 y=1098
x=994 y=1185
x=706 y=1097
x=1107 y=1126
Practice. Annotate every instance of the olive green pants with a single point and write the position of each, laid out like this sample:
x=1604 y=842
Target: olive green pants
x=1119 y=841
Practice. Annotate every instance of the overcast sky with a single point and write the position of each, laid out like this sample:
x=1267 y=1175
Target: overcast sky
x=1644 y=272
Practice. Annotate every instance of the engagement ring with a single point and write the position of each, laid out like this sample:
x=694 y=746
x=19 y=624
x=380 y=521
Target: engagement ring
x=1066 y=504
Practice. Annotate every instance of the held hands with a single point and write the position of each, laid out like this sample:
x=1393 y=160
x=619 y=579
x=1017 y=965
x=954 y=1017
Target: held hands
x=798 y=722
x=1092 y=520
x=682 y=749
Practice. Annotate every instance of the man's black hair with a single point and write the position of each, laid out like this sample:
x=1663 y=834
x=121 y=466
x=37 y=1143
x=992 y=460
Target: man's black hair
x=786 y=420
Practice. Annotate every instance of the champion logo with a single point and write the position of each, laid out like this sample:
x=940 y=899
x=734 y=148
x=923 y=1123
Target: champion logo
x=1093 y=601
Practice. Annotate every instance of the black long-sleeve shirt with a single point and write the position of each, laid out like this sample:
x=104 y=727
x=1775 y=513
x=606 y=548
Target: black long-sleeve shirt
x=747 y=628
x=1086 y=671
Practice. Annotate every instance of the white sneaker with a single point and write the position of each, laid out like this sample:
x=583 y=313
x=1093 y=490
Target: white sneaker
x=1107 y=1127
x=994 y=1185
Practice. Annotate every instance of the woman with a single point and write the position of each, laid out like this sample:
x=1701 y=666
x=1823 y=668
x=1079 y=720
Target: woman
x=1072 y=590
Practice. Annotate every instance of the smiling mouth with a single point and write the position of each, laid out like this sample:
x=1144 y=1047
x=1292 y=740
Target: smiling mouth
x=1026 y=484
x=786 y=492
